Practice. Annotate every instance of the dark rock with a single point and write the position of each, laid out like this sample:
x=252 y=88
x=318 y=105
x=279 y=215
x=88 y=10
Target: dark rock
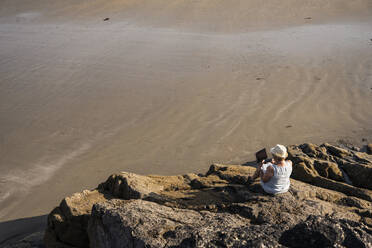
x=369 y=149
x=34 y=240
x=359 y=173
x=67 y=223
x=319 y=231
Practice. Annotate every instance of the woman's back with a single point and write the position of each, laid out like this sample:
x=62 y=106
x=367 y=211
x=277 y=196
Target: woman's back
x=280 y=182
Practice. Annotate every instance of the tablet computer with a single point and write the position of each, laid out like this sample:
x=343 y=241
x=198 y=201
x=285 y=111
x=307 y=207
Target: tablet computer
x=261 y=155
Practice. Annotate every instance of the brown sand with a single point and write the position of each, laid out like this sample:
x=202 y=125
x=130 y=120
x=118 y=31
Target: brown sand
x=169 y=87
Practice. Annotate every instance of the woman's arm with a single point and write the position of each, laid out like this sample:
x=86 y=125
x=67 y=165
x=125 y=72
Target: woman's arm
x=265 y=177
x=258 y=170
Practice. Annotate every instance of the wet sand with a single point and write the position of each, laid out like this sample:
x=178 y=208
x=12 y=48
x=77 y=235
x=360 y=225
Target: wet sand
x=168 y=87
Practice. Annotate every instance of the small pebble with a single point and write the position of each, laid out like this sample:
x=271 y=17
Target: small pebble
x=106 y=19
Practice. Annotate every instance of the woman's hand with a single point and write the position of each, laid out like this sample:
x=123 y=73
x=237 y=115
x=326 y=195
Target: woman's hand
x=258 y=171
x=261 y=163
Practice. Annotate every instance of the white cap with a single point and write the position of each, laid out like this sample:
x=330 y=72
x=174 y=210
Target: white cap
x=279 y=151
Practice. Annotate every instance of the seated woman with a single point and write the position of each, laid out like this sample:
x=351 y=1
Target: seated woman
x=275 y=174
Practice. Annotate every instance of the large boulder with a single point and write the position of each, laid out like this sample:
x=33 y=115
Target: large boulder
x=219 y=208
x=68 y=222
x=315 y=164
x=258 y=222
x=139 y=223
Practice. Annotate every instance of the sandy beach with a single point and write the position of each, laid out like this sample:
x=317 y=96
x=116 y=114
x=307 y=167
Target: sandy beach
x=168 y=87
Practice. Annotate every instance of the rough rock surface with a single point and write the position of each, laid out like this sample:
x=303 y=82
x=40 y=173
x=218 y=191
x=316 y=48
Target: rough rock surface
x=34 y=240
x=67 y=223
x=329 y=205
x=317 y=164
x=141 y=223
x=319 y=231
x=369 y=149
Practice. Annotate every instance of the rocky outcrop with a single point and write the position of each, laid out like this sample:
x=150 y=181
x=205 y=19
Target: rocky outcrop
x=67 y=224
x=316 y=164
x=319 y=231
x=369 y=149
x=141 y=223
x=218 y=209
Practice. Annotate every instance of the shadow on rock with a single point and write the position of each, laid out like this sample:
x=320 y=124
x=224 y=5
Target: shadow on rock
x=25 y=232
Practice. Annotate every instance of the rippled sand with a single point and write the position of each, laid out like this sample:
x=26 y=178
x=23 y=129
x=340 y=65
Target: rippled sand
x=168 y=87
